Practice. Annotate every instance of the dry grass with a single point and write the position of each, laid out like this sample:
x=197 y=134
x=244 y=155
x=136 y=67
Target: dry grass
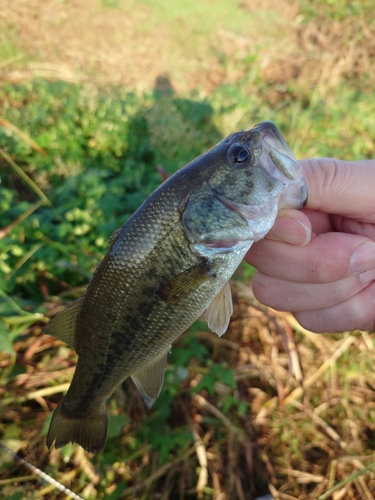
x=133 y=45
x=309 y=426
x=324 y=53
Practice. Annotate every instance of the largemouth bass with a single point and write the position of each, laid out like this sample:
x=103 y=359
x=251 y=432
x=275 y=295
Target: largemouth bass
x=169 y=263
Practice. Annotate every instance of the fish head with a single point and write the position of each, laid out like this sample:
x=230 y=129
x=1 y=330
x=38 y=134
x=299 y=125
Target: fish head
x=245 y=180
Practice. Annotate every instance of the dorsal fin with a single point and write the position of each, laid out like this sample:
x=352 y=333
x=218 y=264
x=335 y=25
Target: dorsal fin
x=220 y=310
x=149 y=378
x=63 y=325
x=114 y=235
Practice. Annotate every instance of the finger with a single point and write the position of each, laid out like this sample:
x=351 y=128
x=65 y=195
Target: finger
x=354 y=313
x=291 y=226
x=319 y=222
x=345 y=225
x=288 y=295
x=328 y=257
x=297 y=226
x=341 y=187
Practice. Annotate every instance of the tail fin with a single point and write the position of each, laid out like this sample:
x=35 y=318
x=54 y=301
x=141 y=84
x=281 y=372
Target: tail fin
x=89 y=432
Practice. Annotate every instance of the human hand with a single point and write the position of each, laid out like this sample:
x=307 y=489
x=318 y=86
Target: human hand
x=319 y=262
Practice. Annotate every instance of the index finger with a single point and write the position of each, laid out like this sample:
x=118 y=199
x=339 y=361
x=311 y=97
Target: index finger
x=328 y=257
x=341 y=187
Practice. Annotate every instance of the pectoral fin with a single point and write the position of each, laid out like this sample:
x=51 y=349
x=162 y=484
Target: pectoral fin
x=64 y=324
x=182 y=285
x=220 y=310
x=149 y=379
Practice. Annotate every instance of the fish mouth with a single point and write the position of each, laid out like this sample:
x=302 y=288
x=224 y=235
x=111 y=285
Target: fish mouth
x=223 y=245
x=249 y=212
x=259 y=218
x=278 y=160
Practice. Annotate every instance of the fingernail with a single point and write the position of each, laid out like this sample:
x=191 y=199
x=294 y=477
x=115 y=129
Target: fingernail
x=363 y=258
x=367 y=277
x=292 y=231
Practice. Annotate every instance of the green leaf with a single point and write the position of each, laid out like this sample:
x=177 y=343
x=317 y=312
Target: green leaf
x=116 y=423
x=163 y=442
x=223 y=374
x=5 y=340
x=192 y=348
x=207 y=382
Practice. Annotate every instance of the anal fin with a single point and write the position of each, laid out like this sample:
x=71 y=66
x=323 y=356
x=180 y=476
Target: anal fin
x=220 y=310
x=149 y=378
x=63 y=325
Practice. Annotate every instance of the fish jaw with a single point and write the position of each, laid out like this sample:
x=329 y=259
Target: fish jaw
x=259 y=219
x=257 y=228
x=277 y=158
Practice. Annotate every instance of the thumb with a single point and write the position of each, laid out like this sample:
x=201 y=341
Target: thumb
x=341 y=187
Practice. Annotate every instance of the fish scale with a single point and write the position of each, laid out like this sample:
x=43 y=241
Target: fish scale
x=168 y=264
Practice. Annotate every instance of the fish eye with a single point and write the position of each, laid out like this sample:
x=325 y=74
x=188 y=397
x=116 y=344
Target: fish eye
x=239 y=155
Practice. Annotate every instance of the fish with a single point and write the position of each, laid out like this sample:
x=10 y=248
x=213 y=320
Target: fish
x=166 y=266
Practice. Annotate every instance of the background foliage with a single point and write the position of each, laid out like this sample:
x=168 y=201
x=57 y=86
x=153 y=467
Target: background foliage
x=258 y=410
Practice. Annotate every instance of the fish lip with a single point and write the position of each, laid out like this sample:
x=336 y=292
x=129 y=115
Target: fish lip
x=248 y=212
x=278 y=161
x=276 y=154
x=271 y=135
x=305 y=194
x=212 y=247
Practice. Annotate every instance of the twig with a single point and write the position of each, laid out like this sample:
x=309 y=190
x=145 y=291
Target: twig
x=279 y=496
x=12 y=225
x=360 y=482
x=317 y=340
x=327 y=428
x=22 y=135
x=368 y=342
x=47 y=391
x=321 y=370
x=158 y=473
x=292 y=353
x=304 y=477
x=13 y=304
x=81 y=461
x=239 y=489
x=203 y=403
x=332 y=474
x=24 y=177
x=24 y=259
x=201 y=454
x=11 y=60
x=12 y=480
x=168 y=484
x=41 y=474
x=346 y=481
x=341 y=494
x=248 y=446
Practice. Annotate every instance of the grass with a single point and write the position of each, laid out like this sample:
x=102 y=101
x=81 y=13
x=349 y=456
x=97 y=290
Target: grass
x=269 y=407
